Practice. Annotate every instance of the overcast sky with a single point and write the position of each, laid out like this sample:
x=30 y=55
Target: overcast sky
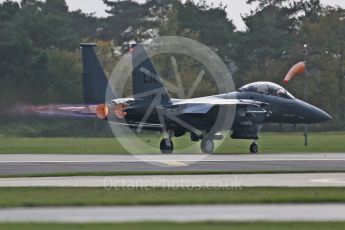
x=235 y=9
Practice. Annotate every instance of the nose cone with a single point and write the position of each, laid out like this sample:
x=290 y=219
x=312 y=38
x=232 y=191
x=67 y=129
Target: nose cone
x=312 y=114
x=320 y=116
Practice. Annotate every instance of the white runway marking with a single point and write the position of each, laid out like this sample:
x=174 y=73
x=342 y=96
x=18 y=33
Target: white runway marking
x=174 y=163
x=44 y=158
x=185 y=181
x=245 y=213
x=339 y=181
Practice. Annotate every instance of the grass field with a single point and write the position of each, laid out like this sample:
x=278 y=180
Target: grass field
x=47 y=197
x=269 y=143
x=182 y=226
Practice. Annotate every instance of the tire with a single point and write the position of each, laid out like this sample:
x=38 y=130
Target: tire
x=254 y=148
x=165 y=148
x=207 y=146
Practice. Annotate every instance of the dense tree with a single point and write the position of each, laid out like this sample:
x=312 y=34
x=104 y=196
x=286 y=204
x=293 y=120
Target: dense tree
x=312 y=9
x=40 y=59
x=56 y=7
x=125 y=19
x=8 y=10
x=326 y=60
x=258 y=51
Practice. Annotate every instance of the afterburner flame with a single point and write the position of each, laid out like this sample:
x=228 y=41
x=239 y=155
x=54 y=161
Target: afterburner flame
x=102 y=111
x=119 y=111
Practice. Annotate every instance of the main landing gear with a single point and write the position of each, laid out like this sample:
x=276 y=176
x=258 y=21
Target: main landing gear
x=254 y=148
x=207 y=145
x=167 y=146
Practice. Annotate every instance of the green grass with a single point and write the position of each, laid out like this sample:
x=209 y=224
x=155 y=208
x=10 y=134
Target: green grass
x=269 y=143
x=294 y=142
x=60 y=146
x=48 y=197
x=183 y=226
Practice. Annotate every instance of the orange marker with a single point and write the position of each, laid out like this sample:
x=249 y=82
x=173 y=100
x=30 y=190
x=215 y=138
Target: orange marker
x=297 y=69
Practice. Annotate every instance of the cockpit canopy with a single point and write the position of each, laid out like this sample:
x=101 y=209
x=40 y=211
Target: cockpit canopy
x=267 y=88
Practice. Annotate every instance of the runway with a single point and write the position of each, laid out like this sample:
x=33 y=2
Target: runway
x=196 y=213
x=184 y=181
x=12 y=165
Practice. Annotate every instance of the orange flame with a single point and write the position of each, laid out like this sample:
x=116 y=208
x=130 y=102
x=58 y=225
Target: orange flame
x=102 y=111
x=119 y=111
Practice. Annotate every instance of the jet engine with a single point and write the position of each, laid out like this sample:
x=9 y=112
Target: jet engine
x=117 y=109
x=102 y=111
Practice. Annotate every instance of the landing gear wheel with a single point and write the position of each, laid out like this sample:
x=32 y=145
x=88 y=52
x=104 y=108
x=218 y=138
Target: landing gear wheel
x=207 y=146
x=254 y=148
x=167 y=146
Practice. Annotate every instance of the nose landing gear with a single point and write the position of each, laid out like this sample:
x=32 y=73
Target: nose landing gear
x=254 y=148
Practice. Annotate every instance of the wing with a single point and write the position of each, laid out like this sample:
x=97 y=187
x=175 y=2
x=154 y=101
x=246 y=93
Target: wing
x=204 y=105
x=250 y=114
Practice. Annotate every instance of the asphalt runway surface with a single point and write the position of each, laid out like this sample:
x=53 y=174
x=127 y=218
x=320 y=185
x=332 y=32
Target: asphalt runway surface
x=223 y=181
x=11 y=165
x=196 y=213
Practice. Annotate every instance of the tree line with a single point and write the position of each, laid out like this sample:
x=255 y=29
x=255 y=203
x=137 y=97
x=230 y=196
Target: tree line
x=40 y=59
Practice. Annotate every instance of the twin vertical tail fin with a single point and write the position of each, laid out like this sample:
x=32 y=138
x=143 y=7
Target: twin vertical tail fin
x=147 y=85
x=95 y=81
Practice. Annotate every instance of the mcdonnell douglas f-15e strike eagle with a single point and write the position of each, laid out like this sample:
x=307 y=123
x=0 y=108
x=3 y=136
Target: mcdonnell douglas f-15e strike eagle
x=254 y=104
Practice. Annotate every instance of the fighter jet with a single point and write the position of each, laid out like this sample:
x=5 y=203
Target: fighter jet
x=251 y=106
